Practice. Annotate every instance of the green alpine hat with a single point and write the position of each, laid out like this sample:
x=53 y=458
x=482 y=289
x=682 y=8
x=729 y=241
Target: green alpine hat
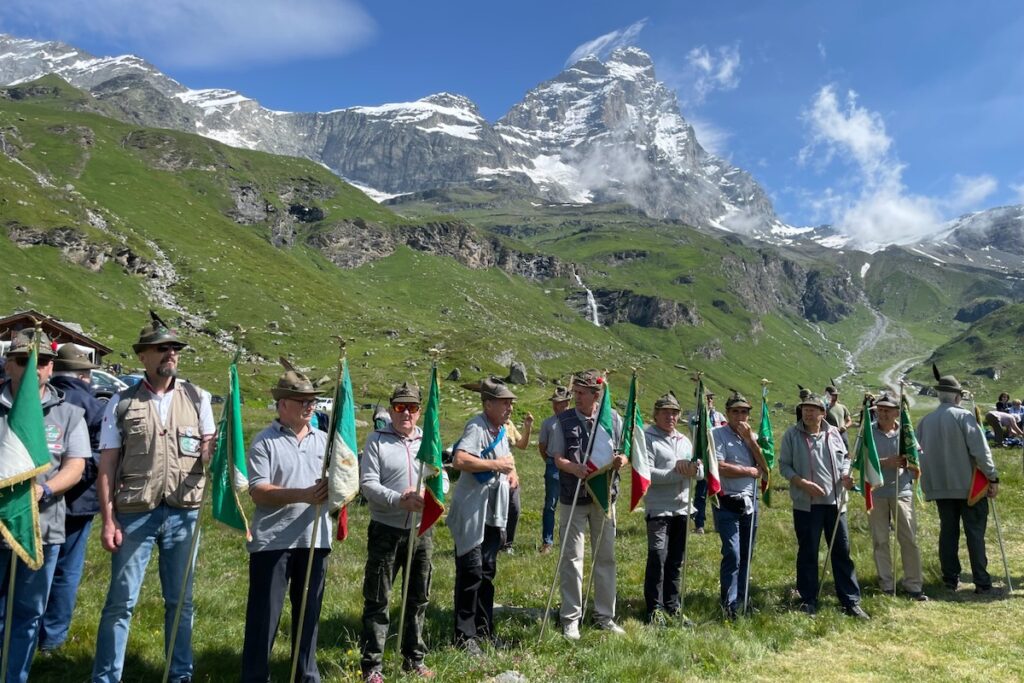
x=946 y=382
x=294 y=384
x=70 y=357
x=561 y=395
x=813 y=400
x=588 y=379
x=737 y=400
x=405 y=393
x=24 y=340
x=157 y=332
x=887 y=400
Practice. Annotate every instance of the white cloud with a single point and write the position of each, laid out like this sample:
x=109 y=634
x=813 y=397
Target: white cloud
x=970 y=191
x=873 y=205
x=822 y=51
x=708 y=71
x=1019 y=189
x=710 y=136
x=201 y=33
x=602 y=45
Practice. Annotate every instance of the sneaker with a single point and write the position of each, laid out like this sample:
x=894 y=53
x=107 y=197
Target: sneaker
x=507 y=548
x=855 y=610
x=571 y=631
x=418 y=668
x=611 y=627
x=658 y=618
x=374 y=676
x=699 y=531
x=545 y=549
x=808 y=609
x=919 y=596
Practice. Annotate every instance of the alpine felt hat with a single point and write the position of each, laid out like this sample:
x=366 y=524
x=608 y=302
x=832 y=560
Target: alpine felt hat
x=70 y=357
x=405 y=393
x=737 y=400
x=560 y=395
x=294 y=384
x=157 y=332
x=668 y=401
x=886 y=400
x=812 y=400
x=491 y=387
x=24 y=340
x=588 y=379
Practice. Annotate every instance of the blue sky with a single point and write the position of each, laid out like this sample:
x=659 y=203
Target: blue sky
x=864 y=114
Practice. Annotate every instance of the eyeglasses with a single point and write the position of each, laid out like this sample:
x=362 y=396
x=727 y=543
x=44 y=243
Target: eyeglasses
x=402 y=407
x=22 y=361
x=164 y=348
x=304 y=402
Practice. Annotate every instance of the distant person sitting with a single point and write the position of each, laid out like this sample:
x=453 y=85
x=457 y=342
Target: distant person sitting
x=1017 y=410
x=1003 y=402
x=1003 y=425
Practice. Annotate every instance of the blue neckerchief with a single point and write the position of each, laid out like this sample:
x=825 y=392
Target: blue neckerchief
x=484 y=477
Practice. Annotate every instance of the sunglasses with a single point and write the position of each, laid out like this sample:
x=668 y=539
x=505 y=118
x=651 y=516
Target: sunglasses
x=402 y=407
x=304 y=402
x=164 y=348
x=22 y=361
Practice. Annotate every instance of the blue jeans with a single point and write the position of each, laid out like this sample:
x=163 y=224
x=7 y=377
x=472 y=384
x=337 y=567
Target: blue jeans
x=30 y=591
x=64 y=587
x=735 y=530
x=170 y=529
x=547 y=533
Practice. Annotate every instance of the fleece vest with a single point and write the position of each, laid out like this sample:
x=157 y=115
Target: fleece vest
x=160 y=463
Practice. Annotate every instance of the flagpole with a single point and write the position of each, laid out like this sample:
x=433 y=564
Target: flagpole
x=1002 y=550
x=193 y=548
x=840 y=502
x=572 y=509
x=328 y=451
x=9 y=613
x=686 y=527
x=408 y=564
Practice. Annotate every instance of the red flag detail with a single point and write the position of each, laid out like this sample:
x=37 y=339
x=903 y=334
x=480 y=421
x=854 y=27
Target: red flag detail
x=432 y=511
x=979 y=487
x=342 y=532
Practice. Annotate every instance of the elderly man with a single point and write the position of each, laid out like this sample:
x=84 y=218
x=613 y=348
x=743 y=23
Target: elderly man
x=568 y=445
x=814 y=459
x=952 y=445
x=667 y=506
x=285 y=463
x=68 y=441
x=559 y=404
x=153 y=442
x=478 y=512
x=387 y=479
x=740 y=465
x=72 y=374
x=701 y=492
x=894 y=503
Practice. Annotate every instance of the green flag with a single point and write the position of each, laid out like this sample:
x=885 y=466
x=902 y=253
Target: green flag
x=602 y=452
x=867 y=458
x=766 y=441
x=228 y=471
x=23 y=455
x=634 y=447
x=430 y=455
x=704 y=443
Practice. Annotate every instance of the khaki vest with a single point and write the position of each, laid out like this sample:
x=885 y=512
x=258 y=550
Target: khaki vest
x=160 y=463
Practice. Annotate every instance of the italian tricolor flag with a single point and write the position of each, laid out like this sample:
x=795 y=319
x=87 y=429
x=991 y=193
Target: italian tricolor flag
x=867 y=458
x=343 y=469
x=634 y=447
x=601 y=449
x=23 y=455
x=429 y=456
x=703 y=444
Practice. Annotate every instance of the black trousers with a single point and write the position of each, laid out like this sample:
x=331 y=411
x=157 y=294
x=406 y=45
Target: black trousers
x=975 y=521
x=474 y=588
x=666 y=545
x=270 y=573
x=809 y=527
x=514 y=506
x=386 y=550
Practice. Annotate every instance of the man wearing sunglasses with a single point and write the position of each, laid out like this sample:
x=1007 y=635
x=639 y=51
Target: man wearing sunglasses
x=388 y=474
x=67 y=439
x=285 y=463
x=154 y=439
x=740 y=465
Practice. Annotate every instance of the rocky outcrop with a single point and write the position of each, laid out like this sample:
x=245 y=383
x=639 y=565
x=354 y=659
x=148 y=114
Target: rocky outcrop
x=977 y=310
x=350 y=244
x=77 y=249
x=622 y=306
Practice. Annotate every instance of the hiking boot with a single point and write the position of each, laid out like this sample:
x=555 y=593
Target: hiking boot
x=611 y=627
x=983 y=590
x=471 y=648
x=571 y=631
x=919 y=596
x=374 y=676
x=856 y=611
x=699 y=531
x=808 y=609
x=418 y=668
x=545 y=549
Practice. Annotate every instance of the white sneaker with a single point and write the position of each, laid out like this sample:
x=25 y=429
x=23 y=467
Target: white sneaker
x=571 y=631
x=612 y=627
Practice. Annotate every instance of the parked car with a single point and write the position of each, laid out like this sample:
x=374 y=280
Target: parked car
x=132 y=379
x=106 y=385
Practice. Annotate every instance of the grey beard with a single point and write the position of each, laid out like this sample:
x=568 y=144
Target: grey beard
x=167 y=371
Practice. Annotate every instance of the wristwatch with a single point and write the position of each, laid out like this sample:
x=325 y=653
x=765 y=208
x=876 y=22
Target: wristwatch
x=47 y=494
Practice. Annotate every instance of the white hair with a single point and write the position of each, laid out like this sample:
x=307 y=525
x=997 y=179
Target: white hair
x=70 y=373
x=949 y=397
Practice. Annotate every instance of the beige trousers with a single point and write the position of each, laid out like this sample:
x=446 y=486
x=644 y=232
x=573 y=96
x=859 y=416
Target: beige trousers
x=881 y=516
x=603 y=591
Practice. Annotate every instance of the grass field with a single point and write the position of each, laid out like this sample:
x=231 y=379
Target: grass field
x=953 y=637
